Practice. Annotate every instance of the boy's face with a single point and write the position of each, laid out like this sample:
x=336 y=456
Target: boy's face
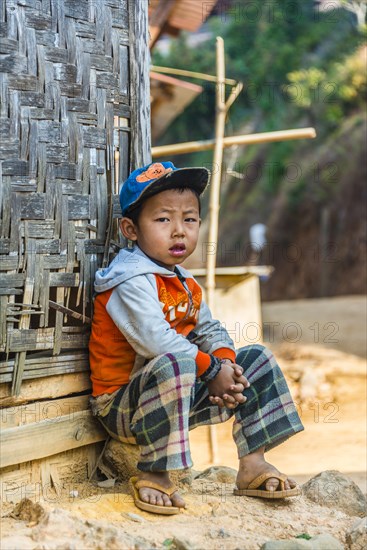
x=168 y=227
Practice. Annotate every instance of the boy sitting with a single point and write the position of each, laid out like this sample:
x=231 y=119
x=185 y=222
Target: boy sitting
x=162 y=366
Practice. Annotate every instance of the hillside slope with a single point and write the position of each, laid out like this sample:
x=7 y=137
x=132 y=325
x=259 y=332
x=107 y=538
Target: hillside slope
x=316 y=222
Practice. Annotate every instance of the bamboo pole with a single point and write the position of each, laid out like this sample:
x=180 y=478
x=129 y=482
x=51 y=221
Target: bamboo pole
x=220 y=120
x=191 y=74
x=206 y=145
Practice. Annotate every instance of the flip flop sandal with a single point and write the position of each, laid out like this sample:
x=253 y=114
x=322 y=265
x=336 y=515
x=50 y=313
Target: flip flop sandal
x=137 y=484
x=254 y=491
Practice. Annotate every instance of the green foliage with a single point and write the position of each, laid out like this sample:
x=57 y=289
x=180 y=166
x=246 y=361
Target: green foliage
x=305 y=536
x=300 y=67
x=290 y=57
x=332 y=94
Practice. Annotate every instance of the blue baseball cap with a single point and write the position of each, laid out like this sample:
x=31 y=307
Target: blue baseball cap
x=157 y=177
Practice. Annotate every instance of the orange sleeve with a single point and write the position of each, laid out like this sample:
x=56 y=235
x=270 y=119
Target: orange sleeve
x=225 y=353
x=203 y=362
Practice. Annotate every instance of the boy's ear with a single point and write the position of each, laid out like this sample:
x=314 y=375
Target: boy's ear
x=128 y=229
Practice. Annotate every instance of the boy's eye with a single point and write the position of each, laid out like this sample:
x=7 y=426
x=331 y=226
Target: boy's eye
x=162 y=219
x=190 y=220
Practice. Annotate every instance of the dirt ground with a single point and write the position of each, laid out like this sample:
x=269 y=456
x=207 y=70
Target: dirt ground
x=328 y=384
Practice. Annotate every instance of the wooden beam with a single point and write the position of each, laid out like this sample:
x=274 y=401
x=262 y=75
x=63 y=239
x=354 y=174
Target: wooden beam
x=38 y=411
x=205 y=145
x=49 y=437
x=46 y=388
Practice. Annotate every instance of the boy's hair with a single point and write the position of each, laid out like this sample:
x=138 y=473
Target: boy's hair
x=134 y=213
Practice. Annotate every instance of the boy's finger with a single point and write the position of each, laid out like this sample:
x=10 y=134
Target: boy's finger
x=242 y=380
x=228 y=398
x=237 y=388
x=216 y=401
x=240 y=398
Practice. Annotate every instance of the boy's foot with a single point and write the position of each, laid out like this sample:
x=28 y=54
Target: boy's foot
x=253 y=465
x=153 y=496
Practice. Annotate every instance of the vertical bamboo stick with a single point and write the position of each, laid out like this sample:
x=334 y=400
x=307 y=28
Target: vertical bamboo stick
x=220 y=118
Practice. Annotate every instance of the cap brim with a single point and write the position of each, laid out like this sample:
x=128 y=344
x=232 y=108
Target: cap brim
x=193 y=178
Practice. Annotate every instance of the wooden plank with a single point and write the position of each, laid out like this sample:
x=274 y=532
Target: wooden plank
x=38 y=411
x=48 y=437
x=32 y=374
x=21 y=340
x=10 y=263
x=35 y=361
x=13 y=63
x=47 y=388
x=24 y=480
x=32 y=206
x=63 y=279
x=78 y=207
x=12 y=279
x=94 y=137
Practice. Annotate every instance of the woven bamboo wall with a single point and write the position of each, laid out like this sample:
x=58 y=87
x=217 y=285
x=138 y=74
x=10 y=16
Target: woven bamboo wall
x=68 y=68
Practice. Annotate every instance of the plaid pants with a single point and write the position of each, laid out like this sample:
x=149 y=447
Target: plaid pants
x=165 y=400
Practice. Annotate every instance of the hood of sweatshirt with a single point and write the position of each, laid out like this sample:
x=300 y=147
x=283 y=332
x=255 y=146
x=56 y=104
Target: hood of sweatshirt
x=130 y=263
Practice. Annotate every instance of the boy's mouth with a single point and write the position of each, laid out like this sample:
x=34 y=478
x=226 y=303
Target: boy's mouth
x=178 y=249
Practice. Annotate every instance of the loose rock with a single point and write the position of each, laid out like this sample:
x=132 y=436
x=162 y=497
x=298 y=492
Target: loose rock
x=26 y=510
x=221 y=474
x=334 y=490
x=19 y=541
x=135 y=517
x=357 y=536
x=184 y=544
x=319 y=542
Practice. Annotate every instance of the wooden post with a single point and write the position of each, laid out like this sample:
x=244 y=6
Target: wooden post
x=220 y=119
x=140 y=145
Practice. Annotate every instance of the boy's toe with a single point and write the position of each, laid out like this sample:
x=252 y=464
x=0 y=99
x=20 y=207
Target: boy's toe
x=272 y=484
x=166 y=501
x=147 y=495
x=292 y=483
x=177 y=500
x=151 y=496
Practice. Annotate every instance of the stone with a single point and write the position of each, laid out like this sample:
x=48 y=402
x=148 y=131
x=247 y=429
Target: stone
x=219 y=474
x=319 y=542
x=357 y=536
x=325 y=542
x=124 y=457
x=135 y=517
x=26 y=510
x=294 y=544
x=335 y=490
x=18 y=541
x=182 y=543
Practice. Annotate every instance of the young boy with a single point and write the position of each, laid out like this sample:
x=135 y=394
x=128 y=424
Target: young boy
x=162 y=366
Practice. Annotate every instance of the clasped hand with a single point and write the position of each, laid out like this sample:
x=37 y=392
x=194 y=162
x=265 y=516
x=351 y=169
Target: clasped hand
x=225 y=390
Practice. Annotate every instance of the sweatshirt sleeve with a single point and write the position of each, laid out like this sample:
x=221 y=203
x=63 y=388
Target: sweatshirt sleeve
x=211 y=337
x=135 y=309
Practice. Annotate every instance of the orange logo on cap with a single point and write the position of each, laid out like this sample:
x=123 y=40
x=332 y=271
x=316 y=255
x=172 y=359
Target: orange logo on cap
x=154 y=171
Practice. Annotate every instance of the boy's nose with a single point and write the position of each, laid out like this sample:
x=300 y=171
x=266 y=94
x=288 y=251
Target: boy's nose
x=178 y=230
